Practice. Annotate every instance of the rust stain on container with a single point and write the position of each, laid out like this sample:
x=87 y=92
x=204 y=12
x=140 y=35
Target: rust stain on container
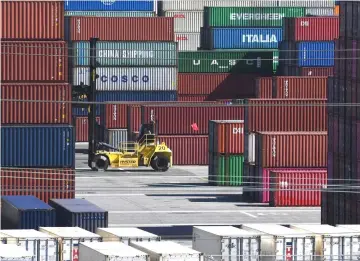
x=44 y=184
x=187 y=150
x=32 y=20
x=264 y=87
x=122 y=28
x=226 y=137
x=39 y=61
x=82 y=128
x=22 y=112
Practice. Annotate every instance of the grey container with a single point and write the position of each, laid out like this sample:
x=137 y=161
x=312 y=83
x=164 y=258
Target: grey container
x=319 y=11
x=79 y=213
x=109 y=13
x=188 y=41
x=117 y=136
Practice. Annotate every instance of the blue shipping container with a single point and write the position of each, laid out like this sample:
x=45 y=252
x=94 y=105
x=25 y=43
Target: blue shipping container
x=109 y=5
x=316 y=54
x=243 y=38
x=38 y=146
x=25 y=212
x=79 y=213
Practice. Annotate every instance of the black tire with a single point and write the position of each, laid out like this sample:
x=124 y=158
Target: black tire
x=159 y=163
x=100 y=162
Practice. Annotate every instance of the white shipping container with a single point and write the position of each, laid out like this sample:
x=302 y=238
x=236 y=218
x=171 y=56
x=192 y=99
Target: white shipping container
x=69 y=239
x=319 y=11
x=181 y=5
x=251 y=147
x=130 y=78
x=282 y=243
x=332 y=243
x=117 y=136
x=187 y=41
x=125 y=234
x=110 y=251
x=167 y=251
x=187 y=22
x=226 y=243
x=15 y=253
x=41 y=245
x=307 y=3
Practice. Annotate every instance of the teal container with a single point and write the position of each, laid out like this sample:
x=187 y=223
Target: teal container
x=115 y=54
x=109 y=14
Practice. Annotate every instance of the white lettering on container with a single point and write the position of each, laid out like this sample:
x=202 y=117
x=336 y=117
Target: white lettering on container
x=255 y=38
x=304 y=23
x=114 y=113
x=125 y=54
x=256 y=16
x=273 y=147
x=286 y=88
x=78 y=25
x=232 y=62
x=238 y=130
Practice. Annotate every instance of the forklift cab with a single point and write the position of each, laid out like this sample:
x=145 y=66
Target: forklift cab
x=146 y=133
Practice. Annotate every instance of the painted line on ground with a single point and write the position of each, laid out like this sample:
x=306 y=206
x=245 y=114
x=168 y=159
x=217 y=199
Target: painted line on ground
x=248 y=214
x=200 y=211
x=138 y=177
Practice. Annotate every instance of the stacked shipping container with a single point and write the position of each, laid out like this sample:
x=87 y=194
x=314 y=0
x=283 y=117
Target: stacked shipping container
x=37 y=139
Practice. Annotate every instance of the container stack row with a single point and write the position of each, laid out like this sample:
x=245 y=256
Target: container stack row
x=37 y=139
x=341 y=200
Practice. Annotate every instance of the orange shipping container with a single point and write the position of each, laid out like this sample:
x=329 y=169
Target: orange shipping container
x=336 y=10
x=264 y=87
x=226 y=137
x=291 y=149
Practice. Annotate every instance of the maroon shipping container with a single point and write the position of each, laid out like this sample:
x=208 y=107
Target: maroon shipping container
x=122 y=28
x=291 y=149
x=217 y=85
x=315 y=71
x=22 y=112
x=82 y=128
x=264 y=87
x=192 y=98
x=189 y=119
x=23 y=61
x=187 y=150
x=311 y=28
x=133 y=118
x=44 y=184
x=299 y=87
x=226 y=137
x=32 y=20
x=297 y=188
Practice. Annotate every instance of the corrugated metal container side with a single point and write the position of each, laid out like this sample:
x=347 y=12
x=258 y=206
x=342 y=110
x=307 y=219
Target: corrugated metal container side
x=197 y=119
x=226 y=137
x=199 y=5
x=187 y=41
x=240 y=61
x=23 y=61
x=316 y=54
x=110 y=13
x=307 y=3
x=43 y=20
x=187 y=150
x=311 y=28
x=299 y=87
x=114 y=5
x=263 y=87
x=293 y=188
x=79 y=213
x=22 y=112
x=291 y=149
x=41 y=183
x=249 y=16
x=319 y=11
x=122 y=28
x=129 y=78
x=117 y=136
x=126 y=234
x=127 y=54
x=25 y=212
x=57 y=141
x=82 y=128
x=192 y=98
x=186 y=22
x=241 y=38
x=226 y=170
x=14 y=252
x=314 y=71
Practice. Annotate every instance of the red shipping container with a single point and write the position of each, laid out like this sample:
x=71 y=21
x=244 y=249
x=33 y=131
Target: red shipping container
x=285 y=115
x=299 y=87
x=315 y=71
x=82 y=128
x=32 y=20
x=291 y=149
x=122 y=28
x=23 y=61
x=297 y=188
x=264 y=87
x=226 y=137
x=22 y=112
x=187 y=150
x=311 y=28
x=189 y=119
x=192 y=98
x=44 y=184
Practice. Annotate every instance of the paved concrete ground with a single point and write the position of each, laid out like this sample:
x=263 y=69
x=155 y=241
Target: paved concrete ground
x=180 y=196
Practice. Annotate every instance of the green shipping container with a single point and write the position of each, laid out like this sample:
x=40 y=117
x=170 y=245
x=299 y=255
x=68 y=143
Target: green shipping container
x=109 y=14
x=243 y=61
x=249 y=16
x=275 y=60
x=226 y=170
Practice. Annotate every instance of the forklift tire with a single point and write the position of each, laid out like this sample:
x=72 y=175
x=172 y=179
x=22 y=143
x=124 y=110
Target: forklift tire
x=159 y=163
x=100 y=162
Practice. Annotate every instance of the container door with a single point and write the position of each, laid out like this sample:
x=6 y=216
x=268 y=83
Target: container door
x=355 y=248
x=280 y=249
x=351 y=248
x=48 y=250
x=29 y=245
x=309 y=248
x=228 y=247
x=67 y=248
x=304 y=249
x=331 y=246
x=250 y=249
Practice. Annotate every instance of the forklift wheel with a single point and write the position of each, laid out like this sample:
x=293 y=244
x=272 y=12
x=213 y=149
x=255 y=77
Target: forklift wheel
x=159 y=163
x=100 y=162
